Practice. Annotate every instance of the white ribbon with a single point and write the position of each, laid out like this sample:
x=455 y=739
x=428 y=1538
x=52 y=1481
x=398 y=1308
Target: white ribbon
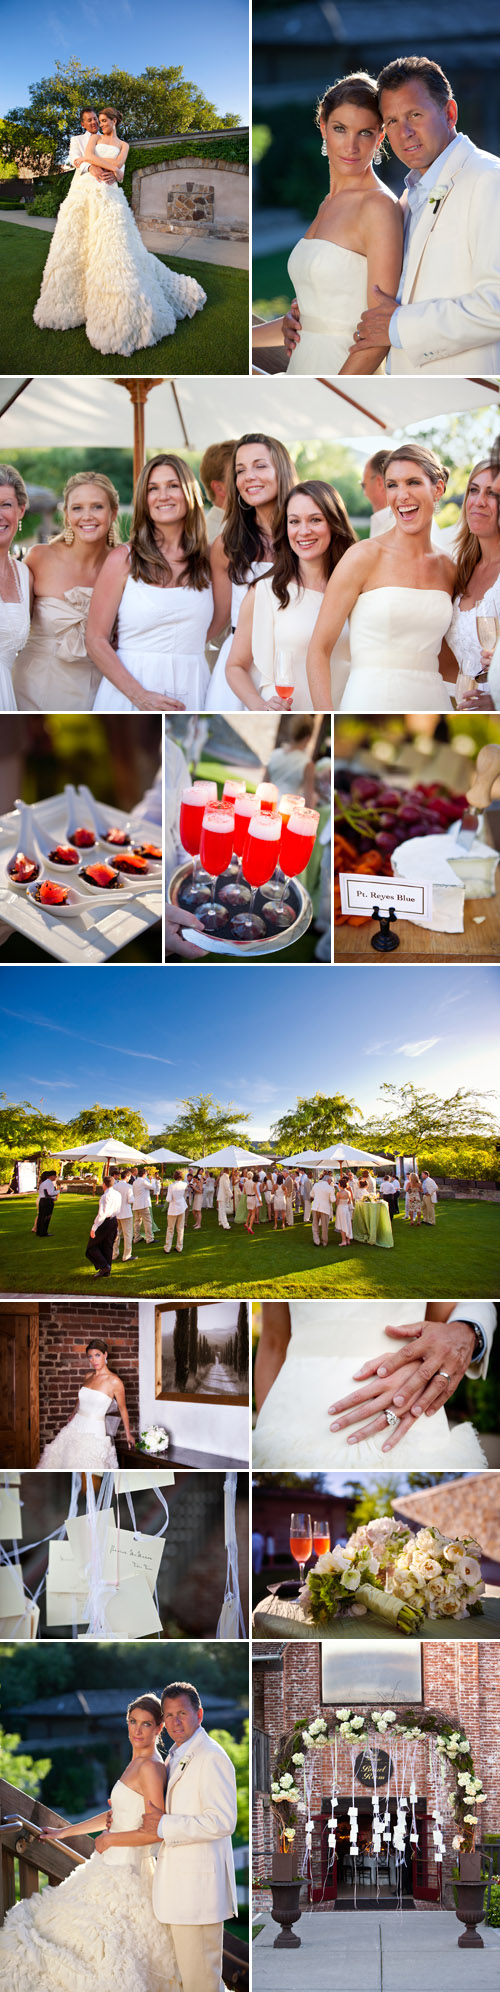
x=231 y=1623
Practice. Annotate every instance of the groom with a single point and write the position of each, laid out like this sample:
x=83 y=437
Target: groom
x=446 y=316
x=194 y=1884
x=75 y=161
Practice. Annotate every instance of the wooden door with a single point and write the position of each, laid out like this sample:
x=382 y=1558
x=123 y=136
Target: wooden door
x=426 y=1872
x=19 y=1407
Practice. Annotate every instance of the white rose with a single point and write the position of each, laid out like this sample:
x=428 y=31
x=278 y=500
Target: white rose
x=298 y=1757
x=469 y=1570
x=457 y=1842
x=350 y=1580
x=343 y=1714
x=339 y=1559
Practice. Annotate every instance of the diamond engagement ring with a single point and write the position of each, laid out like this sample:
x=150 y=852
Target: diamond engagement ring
x=444 y=1373
x=391 y=1419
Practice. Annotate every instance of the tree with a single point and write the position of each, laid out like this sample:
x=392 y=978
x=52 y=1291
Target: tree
x=27 y=1773
x=181 y=1347
x=24 y=1129
x=204 y=1125
x=24 y=145
x=151 y=105
x=240 y=1757
x=413 y=1117
x=96 y=1122
x=193 y=1340
x=315 y=1123
x=242 y=1351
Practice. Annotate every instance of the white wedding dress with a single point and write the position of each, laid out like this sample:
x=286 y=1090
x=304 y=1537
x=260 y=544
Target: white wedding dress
x=162 y=634
x=14 y=632
x=99 y=274
x=329 y=1341
x=396 y=636
x=331 y=288
x=96 y=1931
x=84 y=1441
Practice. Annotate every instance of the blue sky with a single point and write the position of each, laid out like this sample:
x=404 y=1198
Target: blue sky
x=259 y=1039
x=210 y=43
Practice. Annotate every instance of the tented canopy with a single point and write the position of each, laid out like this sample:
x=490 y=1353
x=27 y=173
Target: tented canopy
x=68 y=410
x=166 y=1155
x=342 y=1153
x=230 y=1158
x=309 y=1158
x=96 y=1151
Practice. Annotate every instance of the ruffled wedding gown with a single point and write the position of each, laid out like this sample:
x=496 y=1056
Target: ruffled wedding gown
x=14 y=631
x=162 y=634
x=97 y=1929
x=99 y=274
x=396 y=637
x=293 y=1427
x=331 y=288
x=84 y=1441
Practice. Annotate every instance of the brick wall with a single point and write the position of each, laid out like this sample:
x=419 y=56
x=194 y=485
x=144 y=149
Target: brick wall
x=461 y=1678
x=65 y=1328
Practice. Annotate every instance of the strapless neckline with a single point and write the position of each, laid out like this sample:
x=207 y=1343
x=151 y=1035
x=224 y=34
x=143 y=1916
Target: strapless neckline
x=324 y=242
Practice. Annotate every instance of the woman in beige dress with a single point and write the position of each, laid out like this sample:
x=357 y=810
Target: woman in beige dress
x=54 y=672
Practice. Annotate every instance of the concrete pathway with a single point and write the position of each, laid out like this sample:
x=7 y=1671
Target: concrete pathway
x=197 y=248
x=366 y=1952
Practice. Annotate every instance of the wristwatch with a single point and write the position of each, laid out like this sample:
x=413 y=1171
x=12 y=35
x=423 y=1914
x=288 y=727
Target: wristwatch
x=481 y=1344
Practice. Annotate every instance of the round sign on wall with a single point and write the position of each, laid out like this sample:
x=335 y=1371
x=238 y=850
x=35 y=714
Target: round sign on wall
x=364 y=1772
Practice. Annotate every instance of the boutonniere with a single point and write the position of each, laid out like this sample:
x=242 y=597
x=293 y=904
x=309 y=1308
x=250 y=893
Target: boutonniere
x=438 y=195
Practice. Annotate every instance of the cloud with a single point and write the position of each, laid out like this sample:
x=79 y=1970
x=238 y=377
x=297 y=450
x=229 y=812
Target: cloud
x=57 y=29
x=382 y=1043
x=417 y=1046
x=104 y=1044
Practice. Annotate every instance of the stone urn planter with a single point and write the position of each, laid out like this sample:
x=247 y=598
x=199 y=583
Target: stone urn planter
x=470 y=1903
x=285 y=1890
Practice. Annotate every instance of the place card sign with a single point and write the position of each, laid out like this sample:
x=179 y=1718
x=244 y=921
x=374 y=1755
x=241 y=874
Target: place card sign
x=364 y=1771
x=361 y=891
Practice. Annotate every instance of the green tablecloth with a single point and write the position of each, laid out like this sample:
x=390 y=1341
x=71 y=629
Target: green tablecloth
x=371 y=1224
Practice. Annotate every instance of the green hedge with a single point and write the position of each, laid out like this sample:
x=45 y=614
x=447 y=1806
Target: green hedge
x=50 y=193
x=235 y=150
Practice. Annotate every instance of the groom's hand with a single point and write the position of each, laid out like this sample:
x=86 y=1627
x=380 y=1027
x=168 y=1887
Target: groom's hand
x=291 y=328
x=373 y=328
x=444 y=1350
x=151 y=1820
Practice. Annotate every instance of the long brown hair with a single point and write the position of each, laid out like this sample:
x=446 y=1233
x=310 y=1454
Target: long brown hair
x=286 y=562
x=467 y=547
x=241 y=535
x=147 y=562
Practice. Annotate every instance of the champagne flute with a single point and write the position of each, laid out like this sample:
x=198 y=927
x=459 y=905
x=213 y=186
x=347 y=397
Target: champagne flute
x=301 y=1541
x=232 y=788
x=274 y=884
x=194 y=801
x=267 y=797
x=284 y=680
x=488 y=629
x=216 y=844
x=260 y=852
x=236 y=894
x=321 y=1535
x=297 y=843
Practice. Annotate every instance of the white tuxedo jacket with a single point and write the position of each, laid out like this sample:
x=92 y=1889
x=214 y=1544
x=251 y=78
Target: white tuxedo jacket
x=449 y=317
x=194 y=1879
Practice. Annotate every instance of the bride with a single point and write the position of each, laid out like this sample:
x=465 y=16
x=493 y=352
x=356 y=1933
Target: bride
x=98 y=1927
x=397 y=593
x=354 y=244
x=84 y=1443
x=98 y=272
x=313 y=1397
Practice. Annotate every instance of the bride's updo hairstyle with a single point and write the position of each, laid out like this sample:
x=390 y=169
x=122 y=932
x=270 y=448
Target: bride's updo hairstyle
x=426 y=460
x=241 y=536
x=108 y=111
x=152 y=1706
x=104 y=484
x=147 y=562
x=359 y=89
x=96 y=1343
x=467 y=548
x=286 y=562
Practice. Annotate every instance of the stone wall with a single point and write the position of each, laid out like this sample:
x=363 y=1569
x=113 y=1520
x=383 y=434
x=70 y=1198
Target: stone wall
x=193 y=197
x=65 y=1327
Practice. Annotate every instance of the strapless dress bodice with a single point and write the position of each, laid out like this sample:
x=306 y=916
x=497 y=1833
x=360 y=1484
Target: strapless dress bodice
x=92 y=1407
x=352 y=1328
x=396 y=636
x=330 y=284
x=127 y=1808
x=163 y=620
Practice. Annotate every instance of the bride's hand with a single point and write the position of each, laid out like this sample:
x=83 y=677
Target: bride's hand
x=444 y=1348
x=372 y=1402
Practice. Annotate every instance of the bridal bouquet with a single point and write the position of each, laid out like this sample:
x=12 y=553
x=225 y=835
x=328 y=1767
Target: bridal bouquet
x=155 y=1440
x=399 y=1577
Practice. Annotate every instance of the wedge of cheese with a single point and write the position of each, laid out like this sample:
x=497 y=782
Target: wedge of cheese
x=455 y=876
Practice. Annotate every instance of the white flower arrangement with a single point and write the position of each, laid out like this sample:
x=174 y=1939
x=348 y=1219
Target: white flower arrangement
x=155 y=1440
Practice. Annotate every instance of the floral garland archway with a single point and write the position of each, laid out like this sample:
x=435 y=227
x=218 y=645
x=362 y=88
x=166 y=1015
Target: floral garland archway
x=457 y=1790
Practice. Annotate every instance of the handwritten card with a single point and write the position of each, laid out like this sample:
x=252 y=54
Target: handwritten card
x=129 y=1556
x=130 y=1481
x=130 y=1611
x=64 y=1573
x=78 y=1531
x=11 y=1526
x=361 y=891
x=22 y=1627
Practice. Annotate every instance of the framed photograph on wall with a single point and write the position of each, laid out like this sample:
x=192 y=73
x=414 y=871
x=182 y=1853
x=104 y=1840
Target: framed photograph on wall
x=202 y=1352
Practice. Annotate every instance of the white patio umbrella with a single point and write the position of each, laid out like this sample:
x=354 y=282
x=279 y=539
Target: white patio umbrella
x=166 y=1155
x=342 y=1153
x=230 y=1158
x=98 y=1151
x=309 y=1158
x=188 y=412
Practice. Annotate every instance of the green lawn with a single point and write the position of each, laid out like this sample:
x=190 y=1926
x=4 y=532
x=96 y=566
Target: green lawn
x=461 y=1251
x=215 y=342
x=272 y=288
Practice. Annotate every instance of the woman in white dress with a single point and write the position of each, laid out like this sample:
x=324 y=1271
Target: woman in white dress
x=354 y=244
x=53 y=673
x=397 y=593
x=97 y=1932
x=309 y=1358
x=261 y=475
x=158 y=590
x=281 y=609
x=98 y=272
x=477 y=587
x=15 y=583
x=83 y=1442
x=343 y=1205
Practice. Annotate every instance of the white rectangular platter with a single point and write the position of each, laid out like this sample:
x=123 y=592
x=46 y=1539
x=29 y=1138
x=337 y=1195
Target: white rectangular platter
x=101 y=930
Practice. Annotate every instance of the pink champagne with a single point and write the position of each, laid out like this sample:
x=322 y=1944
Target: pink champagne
x=245 y=806
x=298 y=841
x=193 y=804
x=261 y=847
x=216 y=842
x=267 y=797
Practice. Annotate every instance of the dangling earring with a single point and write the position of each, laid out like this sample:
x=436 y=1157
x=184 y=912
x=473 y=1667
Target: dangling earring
x=242 y=506
x=110 y=541
x=68 y=535
x=324 y=150
x=19 y=526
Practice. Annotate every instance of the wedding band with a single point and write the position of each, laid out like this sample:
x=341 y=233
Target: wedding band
x=391 y=1418
x=444 y=1373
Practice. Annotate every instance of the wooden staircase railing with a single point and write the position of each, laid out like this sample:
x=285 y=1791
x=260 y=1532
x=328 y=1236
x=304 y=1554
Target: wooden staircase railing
x=22 y=1820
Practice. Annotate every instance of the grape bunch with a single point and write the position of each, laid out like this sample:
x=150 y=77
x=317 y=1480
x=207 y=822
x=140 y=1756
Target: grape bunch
x=377 y=816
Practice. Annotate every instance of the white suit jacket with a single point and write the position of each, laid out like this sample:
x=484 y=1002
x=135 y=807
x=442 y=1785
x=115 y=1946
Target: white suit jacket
x=449 y=316
x=75 y=156
x=484 y=1313
x=194 y=1879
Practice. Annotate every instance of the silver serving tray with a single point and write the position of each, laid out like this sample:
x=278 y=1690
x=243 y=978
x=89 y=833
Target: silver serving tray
x=272 y=944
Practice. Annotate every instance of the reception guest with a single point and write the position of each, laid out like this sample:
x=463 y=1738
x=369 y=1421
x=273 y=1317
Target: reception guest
x=125 y=1217
x=47 y=1194
x=141 y=1199
x=321 y=1206
x=104 y=1229
x=176 y=1212
x=429 y=1197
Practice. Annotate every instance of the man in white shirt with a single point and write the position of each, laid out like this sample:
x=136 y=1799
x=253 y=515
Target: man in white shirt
x=389 y=1189
x=215 y=467
x=429 y=1197
x=194 y=1886
x=322 y=1206
x=124 y=1188
x=224 y=1199
x=104 y=1229
x=141 y=1200
x=176 y=1212
x=373 y=485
